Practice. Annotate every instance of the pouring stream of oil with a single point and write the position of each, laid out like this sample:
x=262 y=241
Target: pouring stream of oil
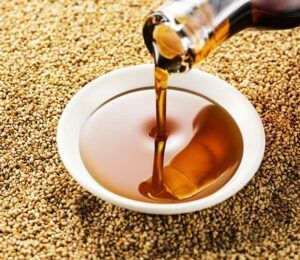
x=198 y=165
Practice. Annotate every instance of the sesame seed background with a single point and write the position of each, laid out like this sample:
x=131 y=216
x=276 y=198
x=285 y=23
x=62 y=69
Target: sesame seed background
x=51 y=49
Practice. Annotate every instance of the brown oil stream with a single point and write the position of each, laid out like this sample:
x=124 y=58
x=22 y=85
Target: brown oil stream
x=198 y=165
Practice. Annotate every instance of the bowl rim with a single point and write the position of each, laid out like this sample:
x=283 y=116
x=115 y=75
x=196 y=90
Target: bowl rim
x=83 y=104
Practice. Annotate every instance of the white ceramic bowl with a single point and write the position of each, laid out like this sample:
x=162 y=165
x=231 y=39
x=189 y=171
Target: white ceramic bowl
x=116 y=82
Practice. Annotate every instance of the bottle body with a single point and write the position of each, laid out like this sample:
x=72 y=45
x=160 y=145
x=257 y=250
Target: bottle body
x=183 y=32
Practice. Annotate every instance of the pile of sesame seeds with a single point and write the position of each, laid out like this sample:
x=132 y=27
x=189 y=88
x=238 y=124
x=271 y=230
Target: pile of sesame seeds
x=51 y=49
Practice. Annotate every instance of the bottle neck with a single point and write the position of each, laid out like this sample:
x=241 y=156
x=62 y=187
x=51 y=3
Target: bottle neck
x=182 y=32
x=229 y=18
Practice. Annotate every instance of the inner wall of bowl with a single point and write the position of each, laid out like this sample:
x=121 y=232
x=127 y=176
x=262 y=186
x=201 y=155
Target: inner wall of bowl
x=204 y=193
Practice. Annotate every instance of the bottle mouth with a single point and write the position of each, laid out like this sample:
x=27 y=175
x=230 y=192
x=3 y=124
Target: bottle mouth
x=167 y=43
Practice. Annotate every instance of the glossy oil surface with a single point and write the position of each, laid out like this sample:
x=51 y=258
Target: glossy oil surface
x=203 y=149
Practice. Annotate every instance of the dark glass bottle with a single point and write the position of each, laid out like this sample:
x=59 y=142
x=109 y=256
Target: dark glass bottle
x=182 y=32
